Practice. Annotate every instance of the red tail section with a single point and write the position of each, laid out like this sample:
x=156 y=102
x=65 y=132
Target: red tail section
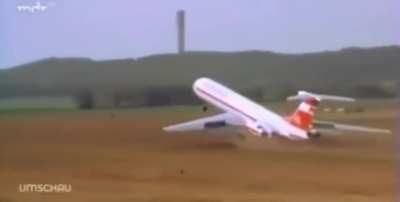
x=303 y=117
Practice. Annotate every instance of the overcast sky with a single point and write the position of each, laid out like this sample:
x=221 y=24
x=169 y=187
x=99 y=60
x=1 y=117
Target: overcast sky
x=133 y=28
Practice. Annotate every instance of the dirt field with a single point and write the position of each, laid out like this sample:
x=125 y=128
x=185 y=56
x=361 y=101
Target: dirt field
x=124 y=156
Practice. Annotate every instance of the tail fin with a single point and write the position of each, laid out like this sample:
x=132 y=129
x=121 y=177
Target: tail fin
x=303 y=117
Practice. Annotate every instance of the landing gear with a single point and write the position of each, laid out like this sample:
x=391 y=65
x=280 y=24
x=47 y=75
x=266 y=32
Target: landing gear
x=314 y=134
x=205 y=108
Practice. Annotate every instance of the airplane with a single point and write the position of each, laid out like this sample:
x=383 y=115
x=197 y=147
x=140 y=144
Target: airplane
x=245 y=116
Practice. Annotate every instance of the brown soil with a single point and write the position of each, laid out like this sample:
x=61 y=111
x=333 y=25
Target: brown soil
x=124 y=156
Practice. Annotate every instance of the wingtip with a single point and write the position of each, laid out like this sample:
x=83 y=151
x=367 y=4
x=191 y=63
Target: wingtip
x=170 y=129
x=384 y=131
x=166 y=129
x=389 y=132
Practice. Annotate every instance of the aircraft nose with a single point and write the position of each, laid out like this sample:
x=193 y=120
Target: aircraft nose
x=199 y=82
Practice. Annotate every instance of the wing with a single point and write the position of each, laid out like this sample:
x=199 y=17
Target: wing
x=335 y=128
x=223 y=120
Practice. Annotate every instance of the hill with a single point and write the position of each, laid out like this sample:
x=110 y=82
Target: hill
x=363 y=72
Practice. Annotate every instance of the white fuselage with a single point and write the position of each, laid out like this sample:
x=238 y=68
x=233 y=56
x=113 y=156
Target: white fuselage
x=259 y=120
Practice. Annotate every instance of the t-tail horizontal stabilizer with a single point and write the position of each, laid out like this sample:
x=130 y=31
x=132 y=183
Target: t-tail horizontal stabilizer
x=304 y=96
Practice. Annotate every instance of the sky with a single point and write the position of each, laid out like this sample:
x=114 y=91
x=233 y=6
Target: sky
x=131 y=28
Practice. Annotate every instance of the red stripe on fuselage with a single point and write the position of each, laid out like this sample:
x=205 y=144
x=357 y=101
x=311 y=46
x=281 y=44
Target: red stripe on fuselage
x=226 y=104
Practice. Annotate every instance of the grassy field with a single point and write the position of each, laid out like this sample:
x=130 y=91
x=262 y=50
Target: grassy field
x=122 y=155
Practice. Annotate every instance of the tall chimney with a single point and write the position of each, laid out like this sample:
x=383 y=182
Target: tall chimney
x=180 y=22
